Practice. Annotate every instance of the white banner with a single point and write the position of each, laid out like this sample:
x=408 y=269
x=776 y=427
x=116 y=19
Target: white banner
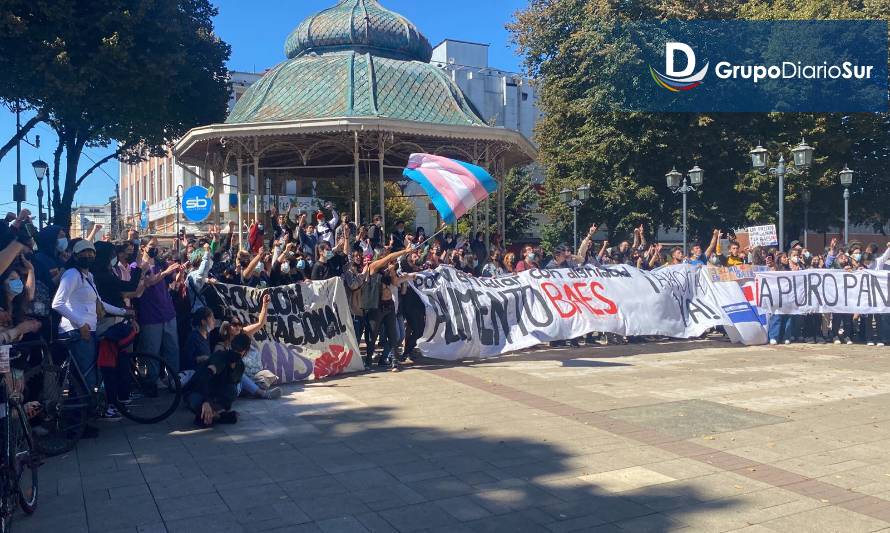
x=308 y=332
x=733 y=290
x=468 y=317
x=824 y=291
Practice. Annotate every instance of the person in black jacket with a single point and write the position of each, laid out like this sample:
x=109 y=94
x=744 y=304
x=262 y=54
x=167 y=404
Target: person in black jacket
x=111 y=288
x=212 y=391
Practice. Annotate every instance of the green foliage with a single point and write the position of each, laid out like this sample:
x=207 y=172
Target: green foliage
x=137 y=72
x=569 y=48
x=520 y=204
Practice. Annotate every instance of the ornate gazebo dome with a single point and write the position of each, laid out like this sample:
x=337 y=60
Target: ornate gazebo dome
x=359 y=25
x=356 y=59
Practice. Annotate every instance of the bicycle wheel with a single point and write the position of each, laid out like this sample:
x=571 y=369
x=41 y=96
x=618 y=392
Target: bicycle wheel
x=148 y=403
x=66 y=405
x=24 y=462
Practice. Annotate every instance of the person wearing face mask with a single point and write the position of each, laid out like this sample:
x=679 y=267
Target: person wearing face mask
x=18 y=287
x=841 y=323
x=78 y=302
x=882 y=263
x=329 y=263
x=157 y=314
x=529 y=260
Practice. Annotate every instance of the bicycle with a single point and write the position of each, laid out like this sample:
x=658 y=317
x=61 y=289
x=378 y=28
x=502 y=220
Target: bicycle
x=19 y=460
x=67 y=404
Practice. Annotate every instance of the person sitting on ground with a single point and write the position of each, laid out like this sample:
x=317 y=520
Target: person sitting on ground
x=214 y=387
x=231 y=329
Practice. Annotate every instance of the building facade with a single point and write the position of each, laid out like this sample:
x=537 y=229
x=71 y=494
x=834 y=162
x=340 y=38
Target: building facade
x=84 y=217
x=154 y=183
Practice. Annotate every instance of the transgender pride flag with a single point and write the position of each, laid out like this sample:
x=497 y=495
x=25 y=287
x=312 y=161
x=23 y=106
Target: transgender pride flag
x=454 y=186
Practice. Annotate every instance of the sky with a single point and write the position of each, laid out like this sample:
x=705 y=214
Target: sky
x=256 y=30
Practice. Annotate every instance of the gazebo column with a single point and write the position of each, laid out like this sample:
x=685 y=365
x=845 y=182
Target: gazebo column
x=381 y=152
x=240 y=163
x=357 y=192
x=256 y=196
x=487 y=205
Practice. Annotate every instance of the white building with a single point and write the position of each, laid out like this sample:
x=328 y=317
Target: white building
x=85 y=216
x=501 y=98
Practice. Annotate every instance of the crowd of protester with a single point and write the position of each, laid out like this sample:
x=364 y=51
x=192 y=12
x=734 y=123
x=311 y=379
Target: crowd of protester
x=56 y=287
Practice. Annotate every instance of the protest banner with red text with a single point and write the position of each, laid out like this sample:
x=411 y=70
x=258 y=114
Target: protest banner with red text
x=308 y=332
x=470 y=317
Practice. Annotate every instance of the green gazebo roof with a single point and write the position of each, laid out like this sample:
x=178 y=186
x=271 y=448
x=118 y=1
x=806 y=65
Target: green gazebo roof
x=356 y=59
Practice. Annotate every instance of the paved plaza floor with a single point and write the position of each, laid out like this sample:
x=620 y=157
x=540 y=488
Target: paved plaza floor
x=692 y=436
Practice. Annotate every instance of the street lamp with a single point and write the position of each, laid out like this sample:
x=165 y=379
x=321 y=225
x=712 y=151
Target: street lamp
x=178 y=205
x=575 y=199
x=40 y=170
x=846 y=176
x=807 y=196
x=802 y=156
x=680 y=184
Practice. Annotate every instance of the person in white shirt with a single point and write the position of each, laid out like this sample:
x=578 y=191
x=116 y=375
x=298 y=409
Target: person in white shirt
x=325 y=230
x=77 y=300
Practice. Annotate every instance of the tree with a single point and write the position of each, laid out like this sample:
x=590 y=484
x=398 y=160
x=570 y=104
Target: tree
x=570 y=48
x=520 y=204
x=139 y=73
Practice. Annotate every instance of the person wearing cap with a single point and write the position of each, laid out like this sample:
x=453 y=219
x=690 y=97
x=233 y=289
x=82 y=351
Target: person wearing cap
x=325 y=230
x=78 y=301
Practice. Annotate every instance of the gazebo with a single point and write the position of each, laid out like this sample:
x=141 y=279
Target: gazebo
x=354 y=98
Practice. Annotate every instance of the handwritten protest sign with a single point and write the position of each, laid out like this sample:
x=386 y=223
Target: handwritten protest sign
x=763 y=235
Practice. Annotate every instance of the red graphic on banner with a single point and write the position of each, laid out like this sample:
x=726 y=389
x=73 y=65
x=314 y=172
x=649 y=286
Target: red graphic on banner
x=574 y=298
x=332 y=362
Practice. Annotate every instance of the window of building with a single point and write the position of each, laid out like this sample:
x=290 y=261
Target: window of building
x=524 y=97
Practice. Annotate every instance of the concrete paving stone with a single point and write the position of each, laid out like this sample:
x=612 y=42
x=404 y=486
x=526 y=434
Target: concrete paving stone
x=388 y=496
x=374 y=523
x=241 y=498
x=463 y=508
x=513 y=522
x=216 y=523
x=172 y=509
x=441 y=488
x=111 y=480
x=110 y=515
x=650 y=523
x=584 y=523
x=177 y=488
x=343 y=524
x=362 y=479
x=417 y=517
x=271 y=515
x=626 y=479
x=299 y=489
x=46 y=521
x=826 y=520
x=332 y=506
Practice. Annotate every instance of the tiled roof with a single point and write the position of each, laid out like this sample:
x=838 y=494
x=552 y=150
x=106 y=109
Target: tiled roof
x=353 y=84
